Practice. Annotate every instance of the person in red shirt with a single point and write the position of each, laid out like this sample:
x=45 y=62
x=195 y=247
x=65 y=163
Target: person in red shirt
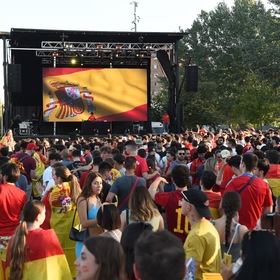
x=28 y=162
x=170 y=157
x=94 y=167
x=166 y=121
x=256 y=197
x=87 y=156
x=228 y=168
x=188 y=142
x=142 y=168
x=248 y=145
x=12 y=200
x=201 y=151
x=207 y=182
x=171 y=201
x=152 y=168
x=231 y=171
x=91 y=117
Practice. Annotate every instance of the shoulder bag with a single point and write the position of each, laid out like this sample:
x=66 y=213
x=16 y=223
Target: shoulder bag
x=76 y=232
x=130 y=193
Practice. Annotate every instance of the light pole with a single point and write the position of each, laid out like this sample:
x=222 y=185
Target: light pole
x=136 y=18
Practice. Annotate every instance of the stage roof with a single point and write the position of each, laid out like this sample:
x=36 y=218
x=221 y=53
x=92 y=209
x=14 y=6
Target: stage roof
x=32 y=38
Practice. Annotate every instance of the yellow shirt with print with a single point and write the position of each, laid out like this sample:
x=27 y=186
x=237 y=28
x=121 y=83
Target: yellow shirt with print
x=203 y=244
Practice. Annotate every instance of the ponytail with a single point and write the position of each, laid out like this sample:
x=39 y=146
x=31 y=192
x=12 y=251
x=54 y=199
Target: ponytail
x=75 y=187
x=231 y=203
x=229 y=217
x=18 y=252
x=64 y=173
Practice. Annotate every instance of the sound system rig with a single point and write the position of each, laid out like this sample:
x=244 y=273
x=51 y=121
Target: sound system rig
x=25 y=129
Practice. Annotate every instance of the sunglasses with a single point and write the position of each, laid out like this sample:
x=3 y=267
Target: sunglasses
x=181 y=154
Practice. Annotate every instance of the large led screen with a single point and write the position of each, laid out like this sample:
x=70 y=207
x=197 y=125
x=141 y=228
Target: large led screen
x=87 y=94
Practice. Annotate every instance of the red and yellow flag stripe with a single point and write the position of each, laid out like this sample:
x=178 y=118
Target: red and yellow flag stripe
x=117 y=94
x=45 y=258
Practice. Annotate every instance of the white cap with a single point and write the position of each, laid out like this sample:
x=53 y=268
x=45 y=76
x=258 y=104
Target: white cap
x=225 y=154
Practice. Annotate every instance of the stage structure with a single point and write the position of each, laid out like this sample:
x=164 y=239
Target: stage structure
x=66 y=81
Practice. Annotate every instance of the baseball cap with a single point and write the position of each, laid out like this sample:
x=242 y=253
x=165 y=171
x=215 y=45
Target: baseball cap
x=225 y=154
x=31 y=147
x=200 y=201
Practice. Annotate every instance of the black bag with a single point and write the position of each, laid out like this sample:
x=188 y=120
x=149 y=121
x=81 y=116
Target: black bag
x=78 y=234
x=271 y=222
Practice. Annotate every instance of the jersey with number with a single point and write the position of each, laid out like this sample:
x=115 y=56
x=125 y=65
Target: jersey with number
x=176 y=222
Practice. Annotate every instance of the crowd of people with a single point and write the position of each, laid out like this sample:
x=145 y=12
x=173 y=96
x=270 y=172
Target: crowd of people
x=197 y=205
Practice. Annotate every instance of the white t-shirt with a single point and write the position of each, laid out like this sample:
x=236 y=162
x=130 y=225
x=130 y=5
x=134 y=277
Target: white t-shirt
x=47 y=176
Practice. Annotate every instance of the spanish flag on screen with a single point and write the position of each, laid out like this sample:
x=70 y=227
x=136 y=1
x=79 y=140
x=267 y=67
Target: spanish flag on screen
x=45 y=259
x=82 y=94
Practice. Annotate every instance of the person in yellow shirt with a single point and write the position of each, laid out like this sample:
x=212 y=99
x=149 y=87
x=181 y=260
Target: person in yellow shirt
x=203 y=242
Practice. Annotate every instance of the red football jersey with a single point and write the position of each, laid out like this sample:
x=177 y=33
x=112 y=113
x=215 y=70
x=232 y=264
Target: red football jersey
x=227 y=176
x=254 y=198
x=141 y=166
x=214 y=199
x=12 y=200
x=176 y=222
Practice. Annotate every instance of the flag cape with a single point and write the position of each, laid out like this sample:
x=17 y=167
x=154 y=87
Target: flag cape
x=44 y=257
x=61 y=221
x=37 y=184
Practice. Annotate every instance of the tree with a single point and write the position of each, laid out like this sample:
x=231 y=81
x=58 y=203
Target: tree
x=258 y=102
x=159 y=102
x=276 y=4
x=234 y=49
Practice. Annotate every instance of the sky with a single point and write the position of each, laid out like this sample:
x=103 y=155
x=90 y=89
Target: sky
x=101 y=15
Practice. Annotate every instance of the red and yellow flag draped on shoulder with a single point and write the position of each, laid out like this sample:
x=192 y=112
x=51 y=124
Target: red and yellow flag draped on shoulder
x=59 y=217
x=44 y=257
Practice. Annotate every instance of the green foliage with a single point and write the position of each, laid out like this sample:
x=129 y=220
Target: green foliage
x=237 y=51
x=276 y=4
x=257 y=102
x=159 y=102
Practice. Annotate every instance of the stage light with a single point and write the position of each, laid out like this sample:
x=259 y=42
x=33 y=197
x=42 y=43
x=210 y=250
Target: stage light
x=73 y=60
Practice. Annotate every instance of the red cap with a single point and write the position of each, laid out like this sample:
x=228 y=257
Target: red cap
x=31 y=147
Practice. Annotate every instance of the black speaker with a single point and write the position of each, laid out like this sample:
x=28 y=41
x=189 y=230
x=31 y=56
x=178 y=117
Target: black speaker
x=164 y=60
x=192 y=78
x=14 y=77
